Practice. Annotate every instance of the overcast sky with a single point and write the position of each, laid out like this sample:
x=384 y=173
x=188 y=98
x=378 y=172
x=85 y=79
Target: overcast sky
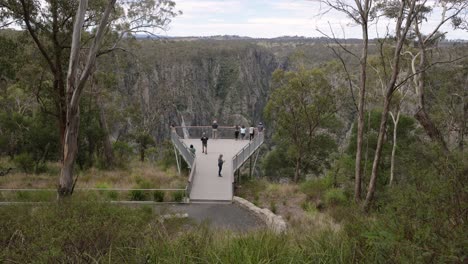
x=272 y=18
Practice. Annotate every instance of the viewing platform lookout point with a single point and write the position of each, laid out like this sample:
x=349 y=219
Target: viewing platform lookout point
x=204 y=184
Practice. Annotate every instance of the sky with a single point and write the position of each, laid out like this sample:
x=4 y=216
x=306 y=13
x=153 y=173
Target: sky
x=273 y=18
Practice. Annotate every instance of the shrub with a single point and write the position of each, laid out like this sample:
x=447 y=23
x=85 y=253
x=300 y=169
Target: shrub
x=24 y=162
x=102 y=185
x=273 y=207
x=138 y=195
x=158 y=196
x=123 y=153
x=178 y=196
x=315 y=188
x=335 y=196
x=112 y=195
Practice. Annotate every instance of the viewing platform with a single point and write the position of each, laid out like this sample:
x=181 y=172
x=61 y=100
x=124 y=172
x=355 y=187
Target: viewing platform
x=204 y=184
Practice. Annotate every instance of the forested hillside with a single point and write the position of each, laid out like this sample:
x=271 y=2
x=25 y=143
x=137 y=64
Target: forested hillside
x=365 y=139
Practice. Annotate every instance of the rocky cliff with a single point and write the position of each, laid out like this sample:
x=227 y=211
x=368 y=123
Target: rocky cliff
x=201 y=80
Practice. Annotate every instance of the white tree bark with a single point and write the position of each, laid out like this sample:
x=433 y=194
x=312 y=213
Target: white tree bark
x=392 y=160
x=75 y=85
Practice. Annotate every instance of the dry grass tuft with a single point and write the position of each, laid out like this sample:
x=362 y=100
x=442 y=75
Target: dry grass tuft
x=288 y=201
x=138 y=174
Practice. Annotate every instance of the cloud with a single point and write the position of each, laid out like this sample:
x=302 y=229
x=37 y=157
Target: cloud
x=272 y=18
x=207 y=7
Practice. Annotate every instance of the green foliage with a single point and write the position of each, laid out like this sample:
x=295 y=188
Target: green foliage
x=85 y=231
x=276 y=163
x=407 y=135
x=112 y=195
x=25 y=162
x=138 y=195
x=273 y=207
x=315 y=188
x=302 y=110
x=335 y=196
x=144 y=141
x=178 y=196
x=168 y=156
x=123 y=153
x=158 y=196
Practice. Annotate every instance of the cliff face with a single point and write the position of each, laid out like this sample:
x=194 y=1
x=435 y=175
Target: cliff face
x=199 y=82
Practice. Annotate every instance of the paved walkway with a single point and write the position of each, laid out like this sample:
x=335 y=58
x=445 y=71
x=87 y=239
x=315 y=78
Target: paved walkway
x=206 y=183
x=223 y=216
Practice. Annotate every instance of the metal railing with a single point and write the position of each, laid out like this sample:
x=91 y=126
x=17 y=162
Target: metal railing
x=188 y=156
x=12 y=195
x=223 y=132
x=188 y=189
x=247 y=151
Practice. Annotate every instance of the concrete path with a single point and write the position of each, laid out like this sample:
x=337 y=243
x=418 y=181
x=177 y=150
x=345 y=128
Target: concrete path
x=206 y=183
x=223 y=216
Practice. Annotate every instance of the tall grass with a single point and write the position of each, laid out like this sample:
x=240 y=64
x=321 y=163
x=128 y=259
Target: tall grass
x=82 y=232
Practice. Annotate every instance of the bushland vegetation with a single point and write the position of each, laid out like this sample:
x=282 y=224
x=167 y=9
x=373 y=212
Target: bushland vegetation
x=379 y=178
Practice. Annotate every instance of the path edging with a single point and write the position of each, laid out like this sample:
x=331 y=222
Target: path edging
x=274 y=222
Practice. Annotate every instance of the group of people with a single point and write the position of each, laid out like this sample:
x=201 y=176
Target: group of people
x=238 y=130
x=242 y=131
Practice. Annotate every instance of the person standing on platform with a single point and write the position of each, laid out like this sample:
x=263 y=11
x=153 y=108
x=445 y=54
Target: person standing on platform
x=214 y=127
x=192 y=149
x=251 y=132
x=242 y=132
x=236 y=132
x=260 y=127
x=220 y=164
x=204 y=140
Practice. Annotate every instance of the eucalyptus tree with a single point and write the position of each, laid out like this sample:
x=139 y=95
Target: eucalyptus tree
x=360 y=12
x=454 y=11
x=75 y=33
x=303 y=112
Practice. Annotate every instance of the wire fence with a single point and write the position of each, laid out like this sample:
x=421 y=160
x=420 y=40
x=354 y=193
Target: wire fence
x=111 y=194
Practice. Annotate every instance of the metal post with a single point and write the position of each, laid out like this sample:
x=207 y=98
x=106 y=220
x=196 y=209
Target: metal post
x=177 y=159
x=250 y=172
x=256 y=157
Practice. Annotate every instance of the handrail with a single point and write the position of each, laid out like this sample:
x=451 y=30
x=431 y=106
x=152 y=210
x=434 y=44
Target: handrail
x=223 y=132
x=188 y=188
x=188 y=156
x=246 y=152
x=90 y=189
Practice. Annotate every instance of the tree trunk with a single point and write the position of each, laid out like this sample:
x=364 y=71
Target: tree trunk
x=392 y=161
x=378 y=153
x=419 y=79
x=142 y=154
x=298 y=170
x=70 y=146
x=360 y=124
x=108 y=152
x=401 y=32
x=431 y=130
x=70 y=150
x=76 y=81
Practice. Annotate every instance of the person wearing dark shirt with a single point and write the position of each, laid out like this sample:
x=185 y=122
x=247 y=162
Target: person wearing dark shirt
x=220 y=164
x=204 y=140
x=260 y=127
x=236 y=132
x=214 y=127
